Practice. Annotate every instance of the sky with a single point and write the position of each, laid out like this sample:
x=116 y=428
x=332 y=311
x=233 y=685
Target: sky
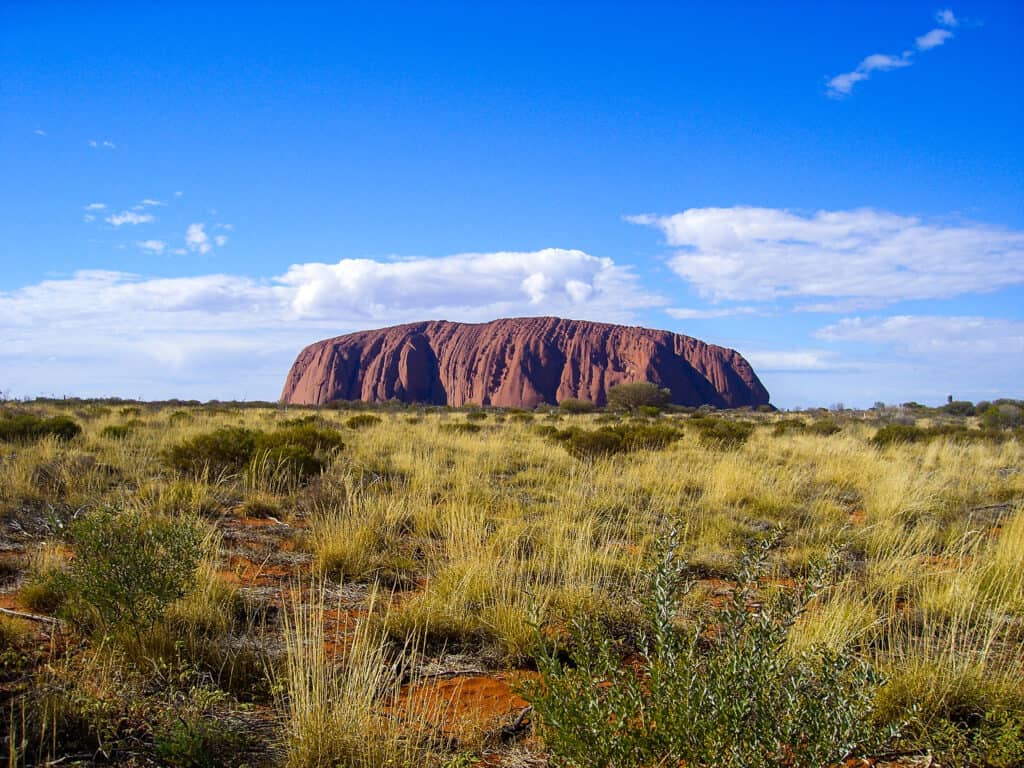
x=192 y=192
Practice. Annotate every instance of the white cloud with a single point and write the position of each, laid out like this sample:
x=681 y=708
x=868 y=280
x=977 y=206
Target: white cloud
x=93 y=143
x=88 y=217
x=933 y=39
x=220 y=239
x=841 y=85
x=129 y=217
x=39 y=132
x=790 y=360
x=148 y=203
x=178 y=194
x=196 y=238
x=220 y=330
x=154 y=246
x=687 y=313
x=951 y=340
x=868 y=256
x=105 y=144
x=95 y=206
x=109 y=145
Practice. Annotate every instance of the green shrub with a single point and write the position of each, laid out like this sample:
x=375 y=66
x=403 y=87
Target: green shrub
x=120 y=431
x=824 y=428
x=298 y=449
x=722 y=433
x=25 y=427
x=725 y=693
x=194 y=733
x=362 y=421
x=128 y=567
x=608 y=440
x=626 y=397
x=226 y=450
x=574 y=405
x=785 y=426
x=894 y=434
x=476 y=416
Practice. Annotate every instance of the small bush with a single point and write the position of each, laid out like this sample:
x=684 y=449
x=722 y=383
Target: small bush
x=574 y=405
x=460 y=427
x=894 y=434
x=725 y=693
x=626 y=397
x=224 y=451
x=824 y=428
x=128 y=567
x=120 y=431
x=362 y=421
x=23 y=427
x=722 y=433
x=194 y=733
x=476 y=416
x=608 y=440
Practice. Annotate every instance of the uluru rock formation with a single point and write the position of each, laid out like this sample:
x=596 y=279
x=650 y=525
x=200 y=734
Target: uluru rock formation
x=517 y=362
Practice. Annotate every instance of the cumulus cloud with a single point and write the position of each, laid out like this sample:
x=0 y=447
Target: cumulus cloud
x=217 y=329
x=196 y=239
x=842 y=85
x=153 y=246
x=862 y=257
x=129 y=217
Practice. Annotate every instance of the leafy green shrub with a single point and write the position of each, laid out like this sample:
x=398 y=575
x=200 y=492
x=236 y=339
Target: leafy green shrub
x=959 y=408
x=26 y=427
x=722 y=433
x=299 y=449
x=608 y=440
x=626 y=397
x=128 y=567
x=362 y=421
x=1003 y=415
x=476 y=416
x=592 y=444
x=785 y=426
x=224 y=451
x=824 y=428
x=574 y=405
x=894 y=434
x=725 y=693
x=120 y=431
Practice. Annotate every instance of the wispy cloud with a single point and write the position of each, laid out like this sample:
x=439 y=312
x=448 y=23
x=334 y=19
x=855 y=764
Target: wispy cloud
x=689 y=313
x=153 y=246
x=129 y=217
x=147 y=203
x=842 y=85
x=951 y=340
x=105 y=144
x=39 y=132
x=220 y=239
x=95 y=206
x=862 y=256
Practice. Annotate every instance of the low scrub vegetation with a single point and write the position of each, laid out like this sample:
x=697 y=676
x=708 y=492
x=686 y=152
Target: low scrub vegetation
x=192 y=585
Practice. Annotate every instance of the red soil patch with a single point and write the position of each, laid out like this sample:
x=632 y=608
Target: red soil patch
x=478 y=704
x=243 y=572
x=857 y=517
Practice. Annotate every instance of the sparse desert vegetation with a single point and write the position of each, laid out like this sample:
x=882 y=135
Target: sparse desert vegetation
x=214 y=585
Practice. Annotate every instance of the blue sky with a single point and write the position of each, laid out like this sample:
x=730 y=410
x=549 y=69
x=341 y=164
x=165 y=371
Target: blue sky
x=194 y=192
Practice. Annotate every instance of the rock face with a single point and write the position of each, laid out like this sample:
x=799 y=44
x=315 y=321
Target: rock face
x=517 y=362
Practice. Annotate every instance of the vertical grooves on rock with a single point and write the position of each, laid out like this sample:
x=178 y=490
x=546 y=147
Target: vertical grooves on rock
x=517 y=362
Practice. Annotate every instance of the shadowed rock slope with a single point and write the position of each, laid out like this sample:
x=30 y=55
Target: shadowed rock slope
x=517 y=362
